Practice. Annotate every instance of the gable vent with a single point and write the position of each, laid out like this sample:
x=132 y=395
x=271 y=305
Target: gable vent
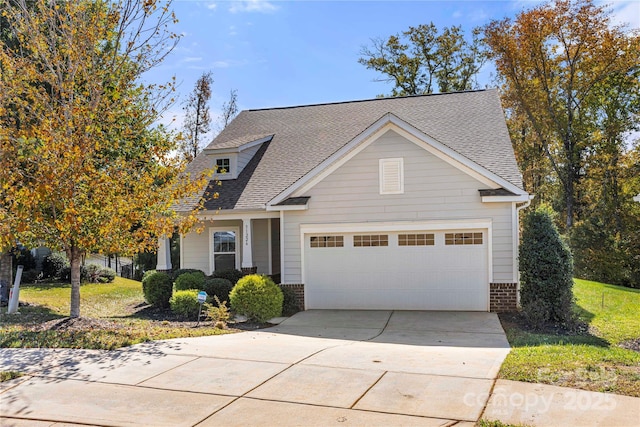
x=391 y=176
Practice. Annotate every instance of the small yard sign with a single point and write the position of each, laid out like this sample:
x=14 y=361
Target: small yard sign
x=202 y=297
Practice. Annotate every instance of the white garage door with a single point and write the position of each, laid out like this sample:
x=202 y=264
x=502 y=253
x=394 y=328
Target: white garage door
x=421 y=270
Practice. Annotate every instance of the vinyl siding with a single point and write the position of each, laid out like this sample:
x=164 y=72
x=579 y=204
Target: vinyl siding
x=260 y=247
x=433 y=190
x=195 y=246
x=245 y=157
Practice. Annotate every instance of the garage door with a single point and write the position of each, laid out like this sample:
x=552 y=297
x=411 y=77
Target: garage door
x=417 y=270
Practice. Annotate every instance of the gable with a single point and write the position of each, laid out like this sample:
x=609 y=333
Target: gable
x=427 y=179
x=411 y=134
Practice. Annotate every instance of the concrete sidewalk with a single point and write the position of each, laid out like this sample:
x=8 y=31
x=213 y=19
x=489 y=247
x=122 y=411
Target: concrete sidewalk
x=314 y=369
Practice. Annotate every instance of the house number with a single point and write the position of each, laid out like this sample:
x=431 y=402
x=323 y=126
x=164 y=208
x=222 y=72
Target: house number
x=246 y=235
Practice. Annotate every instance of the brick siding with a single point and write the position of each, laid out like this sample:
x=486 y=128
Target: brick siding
x=503 y=297
x=299 y=290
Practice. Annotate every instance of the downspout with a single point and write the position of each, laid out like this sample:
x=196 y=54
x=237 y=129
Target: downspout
x=519 y=207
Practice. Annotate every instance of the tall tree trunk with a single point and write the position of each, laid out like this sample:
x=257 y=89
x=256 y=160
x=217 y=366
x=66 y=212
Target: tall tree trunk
x=75 y=259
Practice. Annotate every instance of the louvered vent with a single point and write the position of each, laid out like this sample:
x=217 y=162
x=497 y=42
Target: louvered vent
x=391 y=176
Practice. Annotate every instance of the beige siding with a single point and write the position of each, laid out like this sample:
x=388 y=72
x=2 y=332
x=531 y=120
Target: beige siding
x=245 y=157
x=433 y=190
x=195 y=246
x=275 y=245
x=260 y=248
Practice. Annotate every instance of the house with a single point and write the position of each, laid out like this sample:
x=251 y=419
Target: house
x=398 y=203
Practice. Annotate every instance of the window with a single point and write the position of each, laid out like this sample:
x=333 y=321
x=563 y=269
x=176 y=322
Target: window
x=223 y=166
x=326 y=242
x=463 y=238
x=416 y=240
x=391 y=176
x=371 y=240
x=224 y=250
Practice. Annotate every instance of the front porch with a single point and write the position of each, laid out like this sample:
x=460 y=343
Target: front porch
x=247 y=243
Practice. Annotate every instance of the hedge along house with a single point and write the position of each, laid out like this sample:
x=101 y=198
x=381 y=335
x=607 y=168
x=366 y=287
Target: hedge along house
x=401 y=203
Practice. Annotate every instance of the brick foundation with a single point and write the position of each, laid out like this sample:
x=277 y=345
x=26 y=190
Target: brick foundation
x=299 y=290
x=503 y=297
x=249 y=270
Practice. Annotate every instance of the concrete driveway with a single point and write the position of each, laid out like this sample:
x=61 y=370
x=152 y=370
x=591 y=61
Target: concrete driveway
x=316 y=368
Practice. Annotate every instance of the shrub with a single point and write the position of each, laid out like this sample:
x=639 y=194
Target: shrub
x=219 y=313
x=147 y=274
x=231 y=275
x=65 y=273
x=53 y=264
x=217 y=287
x=185 y=303
x=157 y=289
x=190 y=281
x=546 y=270
x=257 y=297
x=106 y=275
x=177 y=273
x=289 y=302
x=92 y=273
x=29 y=276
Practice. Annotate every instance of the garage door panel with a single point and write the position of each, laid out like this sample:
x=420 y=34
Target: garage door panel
x=429 y=277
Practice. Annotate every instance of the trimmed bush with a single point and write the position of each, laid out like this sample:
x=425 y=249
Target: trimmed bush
x=194 y=280
x=106 y=275
x=157 y=288
x=289 y=303
x=53 y=264
x=179 y=272
x=93 y=273
x=256 y=297
x=217 y=287
x=185 y=303
x=147 y=274
x=546 y=271
x=231 y=275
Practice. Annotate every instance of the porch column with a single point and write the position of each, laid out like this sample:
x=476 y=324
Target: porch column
x=247 y=250
x=164 y=254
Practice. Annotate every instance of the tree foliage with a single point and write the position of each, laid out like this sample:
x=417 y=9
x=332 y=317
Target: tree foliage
x=229 y=109
x=558 y=62
x=82 y=166
x=422 y=60
x=197 y=121
x=546 y=270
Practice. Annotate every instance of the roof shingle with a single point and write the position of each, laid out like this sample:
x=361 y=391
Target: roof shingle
x=471 y=123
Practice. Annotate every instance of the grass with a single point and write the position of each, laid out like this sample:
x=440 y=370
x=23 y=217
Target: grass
x=593 y=360
x=9 y=375
x=114 y=316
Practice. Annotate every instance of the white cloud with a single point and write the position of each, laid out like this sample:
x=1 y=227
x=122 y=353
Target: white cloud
x=625 y=12
x=259 y=6
x=212 y=6
x=192 y=59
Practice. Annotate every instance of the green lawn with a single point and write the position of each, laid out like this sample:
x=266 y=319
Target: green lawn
x=114 y=315
x=591 y=361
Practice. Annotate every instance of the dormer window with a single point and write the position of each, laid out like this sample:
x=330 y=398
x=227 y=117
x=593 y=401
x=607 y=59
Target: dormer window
x=223 y=166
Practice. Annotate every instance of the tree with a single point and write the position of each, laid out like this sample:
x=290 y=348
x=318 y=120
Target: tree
x=546 y=271
x=553 y=60
x=421 y=60
x=82 y=166
x=197 y=120
x=229 y=109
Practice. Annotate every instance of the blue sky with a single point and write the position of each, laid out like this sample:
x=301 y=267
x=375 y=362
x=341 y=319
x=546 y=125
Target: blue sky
x=283 y=53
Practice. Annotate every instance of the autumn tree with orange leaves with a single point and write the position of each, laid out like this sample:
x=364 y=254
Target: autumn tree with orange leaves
x=83 y=167
x=557 y=62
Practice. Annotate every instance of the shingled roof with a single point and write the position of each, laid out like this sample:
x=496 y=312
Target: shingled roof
x=470 y=123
